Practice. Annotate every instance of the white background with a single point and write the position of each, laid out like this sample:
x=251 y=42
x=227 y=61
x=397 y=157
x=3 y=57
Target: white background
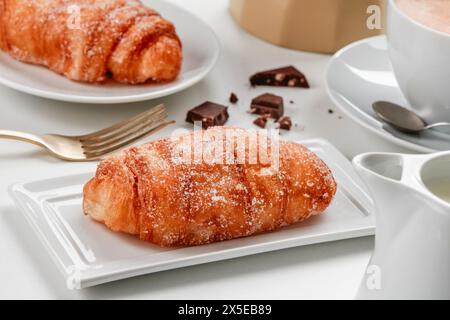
x=331 y=270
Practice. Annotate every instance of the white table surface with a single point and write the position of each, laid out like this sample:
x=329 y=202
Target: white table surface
x=329 y=271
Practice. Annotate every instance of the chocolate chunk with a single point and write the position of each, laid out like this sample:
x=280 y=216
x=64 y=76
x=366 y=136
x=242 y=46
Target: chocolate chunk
x=233 y=98
x=209 y=113
x=283 y=77
x=285 y=123
x=268 y=104
x=261 y=121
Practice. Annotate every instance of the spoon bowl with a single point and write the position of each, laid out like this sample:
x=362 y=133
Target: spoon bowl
x=401 y=118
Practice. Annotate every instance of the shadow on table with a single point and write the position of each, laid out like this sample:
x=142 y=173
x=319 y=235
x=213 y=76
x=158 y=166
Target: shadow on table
x=184 y=277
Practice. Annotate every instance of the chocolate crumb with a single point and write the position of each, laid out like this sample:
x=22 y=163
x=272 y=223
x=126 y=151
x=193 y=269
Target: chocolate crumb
x=261 y=121
x=233 y=98
x=291 y=101
x=285 y=123
x=330 y=111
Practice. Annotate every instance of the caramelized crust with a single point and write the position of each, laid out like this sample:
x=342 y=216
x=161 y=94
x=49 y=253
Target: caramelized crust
x=147 y=192
x=118 y=38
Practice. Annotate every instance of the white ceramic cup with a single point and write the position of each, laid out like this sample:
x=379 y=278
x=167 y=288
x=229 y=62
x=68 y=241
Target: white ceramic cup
x=421 y=61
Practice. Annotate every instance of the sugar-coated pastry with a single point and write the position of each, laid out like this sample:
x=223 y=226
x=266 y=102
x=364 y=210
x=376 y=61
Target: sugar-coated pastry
x=91 y=40
x=148 y=192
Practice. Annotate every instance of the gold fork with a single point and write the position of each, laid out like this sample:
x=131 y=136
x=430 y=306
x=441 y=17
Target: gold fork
x=95 y=145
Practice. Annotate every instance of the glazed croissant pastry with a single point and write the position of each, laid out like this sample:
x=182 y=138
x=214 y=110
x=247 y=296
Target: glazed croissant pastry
x=91 y=40
x=147 y=191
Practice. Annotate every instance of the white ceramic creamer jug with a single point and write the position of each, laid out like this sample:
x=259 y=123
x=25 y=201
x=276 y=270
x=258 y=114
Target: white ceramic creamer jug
x=411 y=259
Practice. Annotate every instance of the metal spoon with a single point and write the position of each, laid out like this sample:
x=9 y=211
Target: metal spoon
x=402 y=119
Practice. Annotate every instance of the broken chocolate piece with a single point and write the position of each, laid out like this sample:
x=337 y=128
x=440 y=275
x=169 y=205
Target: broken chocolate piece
x=233 y=98
x=261 y=122
x=268 y=104
x=283 y=77
x=209 y=113
x=285 y=123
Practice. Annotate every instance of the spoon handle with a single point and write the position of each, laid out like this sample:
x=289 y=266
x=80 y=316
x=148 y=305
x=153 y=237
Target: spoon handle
x=439 y=124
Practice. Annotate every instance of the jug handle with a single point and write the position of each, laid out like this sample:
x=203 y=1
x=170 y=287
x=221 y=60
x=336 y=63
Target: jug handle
x=393 y=167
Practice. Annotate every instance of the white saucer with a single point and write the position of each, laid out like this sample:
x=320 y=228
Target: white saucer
x=361 y=74
x=200 y=49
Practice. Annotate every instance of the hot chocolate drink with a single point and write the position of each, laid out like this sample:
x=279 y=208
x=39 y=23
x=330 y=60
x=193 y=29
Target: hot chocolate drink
x=418 y=35
x=434 y=14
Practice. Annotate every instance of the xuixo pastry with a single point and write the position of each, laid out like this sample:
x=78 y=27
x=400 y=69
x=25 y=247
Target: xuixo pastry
x=148 y=192
x=91 y=40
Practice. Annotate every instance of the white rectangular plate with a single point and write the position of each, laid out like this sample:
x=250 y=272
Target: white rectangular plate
x=89 y=254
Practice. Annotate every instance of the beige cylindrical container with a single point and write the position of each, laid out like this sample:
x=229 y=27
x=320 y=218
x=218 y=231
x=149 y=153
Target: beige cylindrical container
x=310 y=25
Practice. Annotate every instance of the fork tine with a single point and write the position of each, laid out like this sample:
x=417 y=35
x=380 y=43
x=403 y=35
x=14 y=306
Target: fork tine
x=121 y=135
x=126 y=130
x=98 y=153
x=123 y=131
x=125 y=123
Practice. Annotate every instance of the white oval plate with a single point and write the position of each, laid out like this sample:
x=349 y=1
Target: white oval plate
x=201 y=51
x=361 y=74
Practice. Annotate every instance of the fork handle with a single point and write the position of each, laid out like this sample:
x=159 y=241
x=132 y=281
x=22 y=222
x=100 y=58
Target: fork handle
x=22 y=136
